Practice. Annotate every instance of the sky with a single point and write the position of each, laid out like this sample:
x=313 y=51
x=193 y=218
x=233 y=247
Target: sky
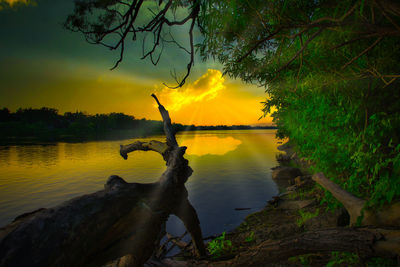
x=43 y=64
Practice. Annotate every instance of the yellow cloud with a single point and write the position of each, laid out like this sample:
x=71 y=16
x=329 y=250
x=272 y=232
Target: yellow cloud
x=205 y=88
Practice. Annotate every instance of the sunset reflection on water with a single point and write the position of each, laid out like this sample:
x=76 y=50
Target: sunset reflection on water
x=231 y=169
x=213 y=145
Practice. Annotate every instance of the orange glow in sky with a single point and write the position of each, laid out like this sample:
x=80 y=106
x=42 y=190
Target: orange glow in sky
x=48 y=66
x=214 y=100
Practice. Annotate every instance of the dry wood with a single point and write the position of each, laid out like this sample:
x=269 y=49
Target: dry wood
x=364 y=242
x=352 y=204
x=388 y=215
x=123 y=220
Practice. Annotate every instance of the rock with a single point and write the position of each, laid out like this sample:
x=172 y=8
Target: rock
x=298 y=180
x=283 y=157
x=274 y=201
x=302 y=180
x=284 y=147
x=285 y=173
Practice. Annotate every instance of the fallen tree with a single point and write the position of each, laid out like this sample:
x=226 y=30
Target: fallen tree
x=365 y=242
x=389 y=215
x=123 y=220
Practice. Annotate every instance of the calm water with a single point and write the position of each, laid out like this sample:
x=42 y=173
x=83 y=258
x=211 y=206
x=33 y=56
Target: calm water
x=231 y=170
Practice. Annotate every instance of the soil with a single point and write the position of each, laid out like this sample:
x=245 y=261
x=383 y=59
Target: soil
x=297 y=209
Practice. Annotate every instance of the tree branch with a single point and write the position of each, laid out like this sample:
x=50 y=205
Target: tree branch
x=363 y=52
x=153 y=145
x=125 y=23
x=168 y=130
x=300 y=51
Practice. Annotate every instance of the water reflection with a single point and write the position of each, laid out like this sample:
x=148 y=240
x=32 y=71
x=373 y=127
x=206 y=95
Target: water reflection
x=231 y=169
x=213 y=145
x=34 y=155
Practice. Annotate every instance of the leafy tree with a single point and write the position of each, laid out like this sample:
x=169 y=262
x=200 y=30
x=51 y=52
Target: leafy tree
x=330 y=69
x=112 y=23
x=5 y=114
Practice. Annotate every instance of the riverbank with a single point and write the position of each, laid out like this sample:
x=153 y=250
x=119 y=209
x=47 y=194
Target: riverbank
x=292 y=222
x=51 y=138
x=47 y=125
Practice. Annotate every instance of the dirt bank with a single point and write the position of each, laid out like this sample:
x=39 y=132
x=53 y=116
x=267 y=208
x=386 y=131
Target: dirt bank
x=291 y=223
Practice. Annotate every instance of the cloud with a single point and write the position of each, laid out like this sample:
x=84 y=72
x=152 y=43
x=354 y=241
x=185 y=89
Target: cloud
x=205 y=88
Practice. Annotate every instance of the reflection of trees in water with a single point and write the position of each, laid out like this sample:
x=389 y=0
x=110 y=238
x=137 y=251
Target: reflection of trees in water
x=123 y=220
x=34 y=155
x=6 y=153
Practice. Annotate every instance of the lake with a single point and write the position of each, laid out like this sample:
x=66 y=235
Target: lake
x=232 y=169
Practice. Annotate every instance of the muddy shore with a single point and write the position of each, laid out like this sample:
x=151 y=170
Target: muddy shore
x=297 y=210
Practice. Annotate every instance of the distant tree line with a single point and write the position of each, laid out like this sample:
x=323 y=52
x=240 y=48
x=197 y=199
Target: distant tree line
x=48 y=125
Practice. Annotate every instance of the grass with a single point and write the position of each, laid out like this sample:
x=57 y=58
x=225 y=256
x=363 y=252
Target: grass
x=219 y=246
x=340 y=258
x=250 y=238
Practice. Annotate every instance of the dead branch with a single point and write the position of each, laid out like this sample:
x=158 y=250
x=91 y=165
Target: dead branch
x=153 y=145
x=389 y=215
x=117 y=20
x=352 y=204
x=363 y=52
x=315 y=34
x=365 y=242
x=122 y=221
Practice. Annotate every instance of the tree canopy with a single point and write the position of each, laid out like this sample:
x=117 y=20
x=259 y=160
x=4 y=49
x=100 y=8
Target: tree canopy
x=330 y=69
x=112 y=23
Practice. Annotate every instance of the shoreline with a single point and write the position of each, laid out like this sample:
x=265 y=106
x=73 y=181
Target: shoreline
x=105 y=137
x=293 y=213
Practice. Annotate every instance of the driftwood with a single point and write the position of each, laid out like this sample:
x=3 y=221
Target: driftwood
x=365 y=242
x=387 y=216
x=123 y=220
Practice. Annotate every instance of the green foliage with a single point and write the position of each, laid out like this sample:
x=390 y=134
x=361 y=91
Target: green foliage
x=219 y=246
x=340 y=258
x=333 y=89
x=353 y=140
x=330 y=69
x=330 y=200
x=250 y=238
x=46 y=124
x=302 y=193
x=305 y=216
x=302 y=260
x=381 y=262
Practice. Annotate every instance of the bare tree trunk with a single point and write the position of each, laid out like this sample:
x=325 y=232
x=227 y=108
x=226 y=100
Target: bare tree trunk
x=124 y=219
x=364 y=242
x=389 y=215
x=352 y=204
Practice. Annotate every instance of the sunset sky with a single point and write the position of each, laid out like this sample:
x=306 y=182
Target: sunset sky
x=43 y=64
